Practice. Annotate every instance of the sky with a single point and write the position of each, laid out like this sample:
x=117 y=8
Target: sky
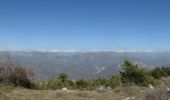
x=85 y=25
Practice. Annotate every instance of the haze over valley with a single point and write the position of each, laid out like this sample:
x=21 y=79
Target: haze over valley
x=86 y=65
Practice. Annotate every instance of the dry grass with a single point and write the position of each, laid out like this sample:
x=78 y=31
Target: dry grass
x=10 y=93
x=158 y=94
x=121 y=93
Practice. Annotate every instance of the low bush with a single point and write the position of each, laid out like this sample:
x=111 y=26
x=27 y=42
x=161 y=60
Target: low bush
x=160 y=72
x=16 y=75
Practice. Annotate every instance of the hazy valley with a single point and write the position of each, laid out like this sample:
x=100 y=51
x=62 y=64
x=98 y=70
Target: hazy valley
x=86 y=65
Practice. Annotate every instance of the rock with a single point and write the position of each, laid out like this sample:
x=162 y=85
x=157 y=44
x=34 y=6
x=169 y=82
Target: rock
x=109 y=89
x=64 y=89
x=101 y=89
x=151 y=87
x=129 y=98
x=104 y=89
x=141 y=91
x=162 y=77
x=132 y=98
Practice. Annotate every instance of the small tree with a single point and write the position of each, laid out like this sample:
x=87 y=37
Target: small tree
x=133 y=74
x=63 y=77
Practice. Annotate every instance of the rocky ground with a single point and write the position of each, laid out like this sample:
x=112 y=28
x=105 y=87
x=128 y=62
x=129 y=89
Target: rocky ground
x=11 y=93
x=129 y=92
x=123 y=93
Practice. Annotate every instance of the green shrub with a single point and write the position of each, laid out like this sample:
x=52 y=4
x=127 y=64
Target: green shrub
x=81 y=84
x=20 y=81
x=158 y=72
x=115 y=81
x=133 y=74
x=57 y=83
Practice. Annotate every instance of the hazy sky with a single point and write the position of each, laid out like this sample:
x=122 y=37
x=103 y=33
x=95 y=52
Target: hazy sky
x=84 y=24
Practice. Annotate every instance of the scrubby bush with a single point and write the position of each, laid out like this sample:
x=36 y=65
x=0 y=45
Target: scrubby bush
x=58 y=83
x=167 y=70
x=160 y=72
x=82 y=84
x=63 y=77
x=133 y=74
x=17 y=75
x=115 y=81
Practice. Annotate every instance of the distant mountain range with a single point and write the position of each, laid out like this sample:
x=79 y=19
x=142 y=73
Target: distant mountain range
x=83 y=64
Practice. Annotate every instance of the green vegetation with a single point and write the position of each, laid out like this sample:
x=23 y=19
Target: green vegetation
x=131 y=73
x=14 y=80
x=160 y=72
x=81 y=84
x=28 y=94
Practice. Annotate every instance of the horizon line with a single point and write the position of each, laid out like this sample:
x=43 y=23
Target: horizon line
x=78 y=50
